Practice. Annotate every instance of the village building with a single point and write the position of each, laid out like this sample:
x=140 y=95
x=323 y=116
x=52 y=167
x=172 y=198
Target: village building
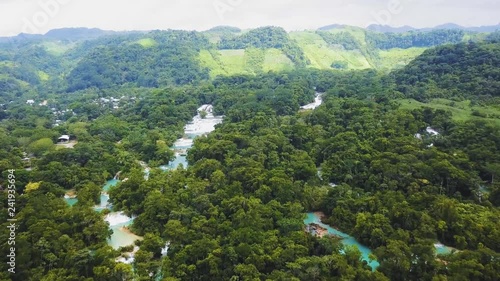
x=63 y=139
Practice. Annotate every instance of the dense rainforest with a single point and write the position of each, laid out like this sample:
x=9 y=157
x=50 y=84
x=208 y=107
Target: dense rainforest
x=452 y=72
x=400 y=160
x=415 y=39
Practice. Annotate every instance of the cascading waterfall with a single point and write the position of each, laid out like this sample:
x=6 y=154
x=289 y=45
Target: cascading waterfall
x=199 y=126
x=119 y=221
x=318 y=100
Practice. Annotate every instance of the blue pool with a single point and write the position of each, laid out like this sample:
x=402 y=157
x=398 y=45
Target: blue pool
x=346 y=239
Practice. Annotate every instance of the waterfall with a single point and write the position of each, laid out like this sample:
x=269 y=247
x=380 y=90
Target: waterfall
x=117 y=176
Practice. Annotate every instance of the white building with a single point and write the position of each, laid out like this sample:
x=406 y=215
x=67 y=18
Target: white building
x=432 y=132
x=63 y=139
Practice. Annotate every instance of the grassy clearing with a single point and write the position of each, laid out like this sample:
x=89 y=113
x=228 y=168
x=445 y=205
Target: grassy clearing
x=7 y=63
x=43 y=76
x=322 y=55
x=462 y=111
x=224 y=62
x=147 y=42
x=57 y=48
x=276 y=60
x=254 y=59
x=209 y=61
x=249 y=61
x=398 y=58
x=233 y=61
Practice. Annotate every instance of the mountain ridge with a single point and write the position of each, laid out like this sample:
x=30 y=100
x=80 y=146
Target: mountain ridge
x=406 y=28
x=67 y=33
x=83 y=58
x=72 y=33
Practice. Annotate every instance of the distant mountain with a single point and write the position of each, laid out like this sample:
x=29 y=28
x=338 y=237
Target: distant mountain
x=77 y=33
x=447 y=26
x=407 y=28
x=69 y=34
x=390 y=29
x=332 y=26
x=224 y=28
x=491 y=28
x=21 y=37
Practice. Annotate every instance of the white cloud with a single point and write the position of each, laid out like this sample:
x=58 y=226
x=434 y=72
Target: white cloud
x=202 y=14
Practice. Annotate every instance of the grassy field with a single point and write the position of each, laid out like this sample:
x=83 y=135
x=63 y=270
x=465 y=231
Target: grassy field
x=207 y=60
x=462 y=111
x=43 y=76
x=7 y=63
x=57 y=48
x=233 y=61
x=254 y=59
x=249 y=61
x=224 y=62
x=322 y=55
x=276 y=60
x=147 y=42
x=398 y=58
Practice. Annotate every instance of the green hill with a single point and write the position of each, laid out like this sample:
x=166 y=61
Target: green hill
x=463 y=79
x=466 y=70
x=154 y=59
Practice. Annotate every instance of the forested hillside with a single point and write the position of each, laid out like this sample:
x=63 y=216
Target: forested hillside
x=386 y=41
x=266 y=38
x=465 y=70
x=388 y=163
x=77 y=59
x=162 y=59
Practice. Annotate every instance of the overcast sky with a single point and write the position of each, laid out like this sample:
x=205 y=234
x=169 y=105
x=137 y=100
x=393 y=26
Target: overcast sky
x=39 y=16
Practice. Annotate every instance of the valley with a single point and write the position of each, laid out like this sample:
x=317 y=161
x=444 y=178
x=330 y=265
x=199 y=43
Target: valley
x=340 y=153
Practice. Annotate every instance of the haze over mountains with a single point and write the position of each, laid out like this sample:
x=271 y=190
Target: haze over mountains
x=91 y=33
x=406 y=28
x=81 y=33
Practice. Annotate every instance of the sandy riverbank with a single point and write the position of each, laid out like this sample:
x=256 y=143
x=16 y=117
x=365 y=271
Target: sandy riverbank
x=127 y=230
x=70 y=194
x=319 y=230
x=320 y=215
